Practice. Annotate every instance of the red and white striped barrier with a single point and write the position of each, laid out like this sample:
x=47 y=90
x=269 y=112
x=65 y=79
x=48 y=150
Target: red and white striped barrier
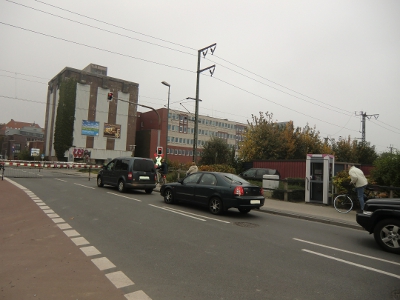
x=50 y=165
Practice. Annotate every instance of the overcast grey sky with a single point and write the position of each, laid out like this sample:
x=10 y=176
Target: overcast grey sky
x=319 y=63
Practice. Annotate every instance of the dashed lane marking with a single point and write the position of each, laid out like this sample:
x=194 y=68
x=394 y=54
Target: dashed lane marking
x=353 y=264
x=90 y=250
x=103 y=263
x=342 y=250
x=122 y=196
x=119 y=279
x=85 y=186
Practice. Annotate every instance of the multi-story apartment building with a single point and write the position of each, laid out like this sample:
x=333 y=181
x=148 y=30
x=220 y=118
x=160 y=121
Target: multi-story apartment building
x=20 y=136
x=179 y=146
x=105 y=128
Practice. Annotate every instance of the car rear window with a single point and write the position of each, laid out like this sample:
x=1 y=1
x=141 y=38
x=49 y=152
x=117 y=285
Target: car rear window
x=143 y=165
x=233 y=178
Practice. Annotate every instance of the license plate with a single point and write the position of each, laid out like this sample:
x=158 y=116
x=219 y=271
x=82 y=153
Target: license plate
x=254 y=201
x=144 y=178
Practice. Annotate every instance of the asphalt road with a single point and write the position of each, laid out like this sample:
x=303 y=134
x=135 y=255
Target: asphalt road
x=184 y=252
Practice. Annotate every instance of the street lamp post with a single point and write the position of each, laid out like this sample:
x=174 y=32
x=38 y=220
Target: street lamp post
x=166 y=138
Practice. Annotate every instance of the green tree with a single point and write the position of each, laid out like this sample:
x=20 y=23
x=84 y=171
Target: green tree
x=366 y=154
x=264 y=139
x=64 y=127
x=24 y=155
x=387 y=169
x=308 y=141
x=216 y=151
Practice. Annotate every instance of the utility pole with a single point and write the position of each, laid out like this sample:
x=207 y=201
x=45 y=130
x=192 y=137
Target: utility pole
x=364 y=115
x=196 y=118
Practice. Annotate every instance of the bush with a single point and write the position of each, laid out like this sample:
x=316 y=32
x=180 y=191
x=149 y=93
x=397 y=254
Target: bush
x=217 y=168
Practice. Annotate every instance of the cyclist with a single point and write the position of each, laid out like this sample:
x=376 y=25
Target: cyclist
x=163 y=168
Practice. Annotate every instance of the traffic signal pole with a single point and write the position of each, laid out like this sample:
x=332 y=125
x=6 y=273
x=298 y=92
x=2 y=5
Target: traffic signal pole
x=158 y=115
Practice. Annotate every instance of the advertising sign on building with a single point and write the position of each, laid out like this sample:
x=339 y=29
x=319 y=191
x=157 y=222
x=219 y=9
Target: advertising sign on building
x=90 y=128
x=112 y=130
x=35 y=152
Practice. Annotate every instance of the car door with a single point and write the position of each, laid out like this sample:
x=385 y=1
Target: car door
x=108 y=172
x=206 y=187
x=185 y=191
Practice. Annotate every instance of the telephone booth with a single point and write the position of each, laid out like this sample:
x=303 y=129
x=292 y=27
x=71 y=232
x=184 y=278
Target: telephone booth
x=320 y=169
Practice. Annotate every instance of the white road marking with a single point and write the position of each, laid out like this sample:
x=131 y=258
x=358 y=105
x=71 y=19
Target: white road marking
x=119 y=279
x=64 y=226
x=175 y=212
x=60 y=179
x=80 y=241
x=138 y=295
x=48 y=211
x=88 y=187
x=103 y=263
x=353 y=264
x=124 y=197
x=354 y=253
x=52 y=216
x=71 y=233
x=43 y=206
x=58 y=220
x=174 y=209
x=90 y=251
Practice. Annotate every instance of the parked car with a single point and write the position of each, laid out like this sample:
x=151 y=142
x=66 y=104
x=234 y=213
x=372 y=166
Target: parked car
x=382 y=218
x=215 y=190
x=257 y=173
x=129 y=173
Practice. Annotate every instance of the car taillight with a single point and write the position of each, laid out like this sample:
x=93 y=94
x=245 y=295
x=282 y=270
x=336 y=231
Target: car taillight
x=238 y=191
x=130 y=175
x=261 y=192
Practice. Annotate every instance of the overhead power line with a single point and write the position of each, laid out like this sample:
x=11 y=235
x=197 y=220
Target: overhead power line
x=319 y=103
x=96 y=48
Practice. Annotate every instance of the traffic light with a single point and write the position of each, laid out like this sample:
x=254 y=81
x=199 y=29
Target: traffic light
x=109 y=96
x=159 y=150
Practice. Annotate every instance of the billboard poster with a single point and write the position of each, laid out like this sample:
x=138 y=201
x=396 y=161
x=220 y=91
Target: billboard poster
x=112 y=130
x=90 y=128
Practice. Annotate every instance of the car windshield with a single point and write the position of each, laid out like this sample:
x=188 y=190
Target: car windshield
x=231 y=178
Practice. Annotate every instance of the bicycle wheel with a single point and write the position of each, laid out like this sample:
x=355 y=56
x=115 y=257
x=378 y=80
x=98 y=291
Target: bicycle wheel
x=343 y=204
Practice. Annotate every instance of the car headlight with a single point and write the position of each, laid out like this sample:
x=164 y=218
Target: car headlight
x=367 y=212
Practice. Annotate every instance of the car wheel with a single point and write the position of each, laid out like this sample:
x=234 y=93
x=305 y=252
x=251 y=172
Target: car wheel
x=244 y=210
x=121 y=186
x=215 y=206
x=387 y=235
x=100 y=182
x=168 y=196
x=148 y=191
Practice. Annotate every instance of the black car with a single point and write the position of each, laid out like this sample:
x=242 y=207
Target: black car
x=129 y=173
x=215 y=190
x=257 y=173
x=382 y=217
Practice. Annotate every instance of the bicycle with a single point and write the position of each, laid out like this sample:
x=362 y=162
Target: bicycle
x=161 y=178
x=344 y=204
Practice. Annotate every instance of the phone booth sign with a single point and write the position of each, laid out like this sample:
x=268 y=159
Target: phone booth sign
x=320 y=168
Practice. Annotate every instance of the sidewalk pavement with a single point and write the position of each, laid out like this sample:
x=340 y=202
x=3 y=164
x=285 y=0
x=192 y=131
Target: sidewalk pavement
x=38 y=261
